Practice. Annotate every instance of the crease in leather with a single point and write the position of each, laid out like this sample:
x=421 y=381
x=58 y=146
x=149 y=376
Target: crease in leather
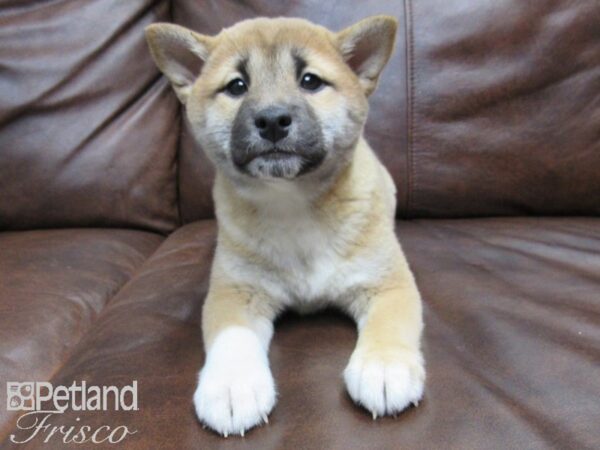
x=535 y=255
x=513 y=89
x=137 y=97
x=18 y=6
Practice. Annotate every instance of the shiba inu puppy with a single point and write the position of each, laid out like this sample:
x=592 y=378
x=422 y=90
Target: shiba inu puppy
x=305 y=209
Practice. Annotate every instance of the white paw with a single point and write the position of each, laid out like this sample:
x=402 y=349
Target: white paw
x=385 y=386
x=235 y=389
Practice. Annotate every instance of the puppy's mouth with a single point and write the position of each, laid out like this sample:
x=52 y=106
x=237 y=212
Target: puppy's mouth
x=277 y=162
x=275 y=154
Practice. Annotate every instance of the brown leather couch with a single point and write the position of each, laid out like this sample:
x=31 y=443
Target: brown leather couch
x=488 y=117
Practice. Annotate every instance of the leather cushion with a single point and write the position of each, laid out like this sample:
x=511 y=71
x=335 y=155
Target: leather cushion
x=88 y=127
x=53 y=285
x=511 y=346
x=504 y=108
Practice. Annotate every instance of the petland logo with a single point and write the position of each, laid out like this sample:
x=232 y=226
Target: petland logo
x=42 y=401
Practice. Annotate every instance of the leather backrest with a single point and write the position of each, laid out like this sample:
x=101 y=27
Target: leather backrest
x=487 y=107
x=88 y=126
x=504 y=107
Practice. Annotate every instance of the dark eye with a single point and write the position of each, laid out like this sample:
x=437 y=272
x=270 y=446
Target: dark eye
x=310 y=82
x=236 y=87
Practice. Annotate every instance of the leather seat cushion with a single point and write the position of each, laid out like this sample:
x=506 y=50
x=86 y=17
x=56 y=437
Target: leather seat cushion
x=53 y=285
x=511 y=308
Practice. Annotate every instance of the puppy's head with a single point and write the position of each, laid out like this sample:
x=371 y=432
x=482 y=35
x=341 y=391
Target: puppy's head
x=275 y=98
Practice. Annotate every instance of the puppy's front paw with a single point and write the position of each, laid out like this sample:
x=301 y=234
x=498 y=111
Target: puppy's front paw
x=235 y=389
x=385 y=385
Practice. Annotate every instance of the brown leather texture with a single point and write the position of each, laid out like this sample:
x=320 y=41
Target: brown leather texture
x=504 y=108
x=511 y=344
x=488 y=107
x=53 y=285
x=386 y=126
x=88 y=126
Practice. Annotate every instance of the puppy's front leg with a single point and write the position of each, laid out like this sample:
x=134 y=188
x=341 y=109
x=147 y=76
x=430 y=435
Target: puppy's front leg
x=385 y=373
x=235 y=388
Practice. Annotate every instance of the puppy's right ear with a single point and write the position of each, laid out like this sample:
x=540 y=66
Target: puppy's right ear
x=367 y=46
x=179 y=53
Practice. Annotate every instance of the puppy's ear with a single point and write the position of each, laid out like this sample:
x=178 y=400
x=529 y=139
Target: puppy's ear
x=367 y=46
x=179 y=53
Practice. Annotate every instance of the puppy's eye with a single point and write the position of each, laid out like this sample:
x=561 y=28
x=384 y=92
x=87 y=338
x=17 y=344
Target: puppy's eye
x=236 y=87
x=311 y=82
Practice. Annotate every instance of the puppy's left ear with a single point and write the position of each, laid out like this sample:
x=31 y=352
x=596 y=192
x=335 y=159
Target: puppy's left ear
x=367 y=46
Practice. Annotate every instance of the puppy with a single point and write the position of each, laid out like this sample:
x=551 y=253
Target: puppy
x=305 y=209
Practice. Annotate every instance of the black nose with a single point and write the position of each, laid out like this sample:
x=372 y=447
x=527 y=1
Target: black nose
x=273 y=123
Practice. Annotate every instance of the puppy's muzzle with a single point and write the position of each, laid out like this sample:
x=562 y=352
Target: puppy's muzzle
x=278 y=134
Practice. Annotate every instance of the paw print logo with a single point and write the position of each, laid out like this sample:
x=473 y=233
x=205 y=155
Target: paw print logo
x=19 y=396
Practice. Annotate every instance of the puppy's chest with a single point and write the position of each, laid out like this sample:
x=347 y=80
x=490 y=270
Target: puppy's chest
x=307 y=260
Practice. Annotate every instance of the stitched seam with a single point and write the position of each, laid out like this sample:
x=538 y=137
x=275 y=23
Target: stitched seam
x=410 y=91
x=177 y=162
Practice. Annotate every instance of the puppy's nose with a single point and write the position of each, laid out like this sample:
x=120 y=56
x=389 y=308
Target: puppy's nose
x=273 y=123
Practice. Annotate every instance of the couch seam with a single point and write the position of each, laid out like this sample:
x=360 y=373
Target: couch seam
x=177 y=168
